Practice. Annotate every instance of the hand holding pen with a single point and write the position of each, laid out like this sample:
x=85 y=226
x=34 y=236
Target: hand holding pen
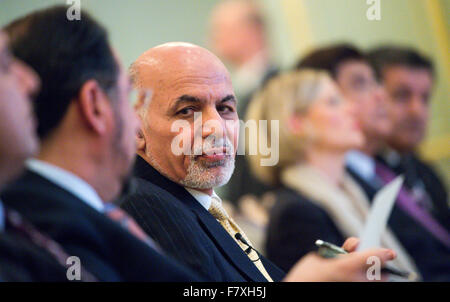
x=329 y=250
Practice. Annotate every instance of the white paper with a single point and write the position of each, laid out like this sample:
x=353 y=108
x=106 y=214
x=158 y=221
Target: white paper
x=379 y=213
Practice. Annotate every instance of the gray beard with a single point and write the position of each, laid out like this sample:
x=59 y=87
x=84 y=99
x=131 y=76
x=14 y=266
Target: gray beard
x=199 y=176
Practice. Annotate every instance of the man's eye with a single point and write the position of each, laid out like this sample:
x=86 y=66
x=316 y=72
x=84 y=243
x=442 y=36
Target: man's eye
x=360 y=84
x=401 y=95
x=225 y=109
x=186 y=111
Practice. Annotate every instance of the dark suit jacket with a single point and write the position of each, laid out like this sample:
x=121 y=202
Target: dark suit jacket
x=432 y=258
x=415 y=170
x=22 y=261
x=188 y=232
x=105 y=249
x=294 y=226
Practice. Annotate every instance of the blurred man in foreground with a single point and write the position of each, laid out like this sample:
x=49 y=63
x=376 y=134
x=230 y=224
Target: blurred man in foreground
x=87 y=128
x=24 y=251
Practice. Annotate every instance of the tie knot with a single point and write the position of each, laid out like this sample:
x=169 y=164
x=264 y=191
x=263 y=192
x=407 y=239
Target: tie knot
x=216 y=209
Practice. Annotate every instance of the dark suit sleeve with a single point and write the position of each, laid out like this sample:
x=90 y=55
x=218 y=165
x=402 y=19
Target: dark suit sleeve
x=437 y=192
x=171 y=229
x=22 y=261
x=295 y=224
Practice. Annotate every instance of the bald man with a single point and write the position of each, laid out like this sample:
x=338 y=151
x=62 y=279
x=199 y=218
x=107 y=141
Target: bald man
x=186 y=149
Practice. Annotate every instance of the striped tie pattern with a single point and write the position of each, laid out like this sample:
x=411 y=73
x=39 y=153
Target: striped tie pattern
x=216 y=209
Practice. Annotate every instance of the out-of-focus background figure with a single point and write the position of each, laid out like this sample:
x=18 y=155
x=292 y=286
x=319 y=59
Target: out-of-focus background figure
x=238 y=34
x=424 y=238
x=409 y=79
x=239 y=37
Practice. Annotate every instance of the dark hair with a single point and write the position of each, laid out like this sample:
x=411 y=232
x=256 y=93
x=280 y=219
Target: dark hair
x=330 y=58
x=65 y=54
x=401 y=56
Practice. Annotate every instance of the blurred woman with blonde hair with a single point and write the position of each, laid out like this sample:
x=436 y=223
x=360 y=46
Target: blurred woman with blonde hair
x=316 y=198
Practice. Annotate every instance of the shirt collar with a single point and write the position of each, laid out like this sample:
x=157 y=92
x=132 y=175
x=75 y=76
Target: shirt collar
x=248 y=76
x=68 y=181
x=203 y=198
x=392 y=157
x=361 y=164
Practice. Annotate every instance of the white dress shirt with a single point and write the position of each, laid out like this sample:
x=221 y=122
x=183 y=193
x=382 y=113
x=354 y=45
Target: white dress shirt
x=68 y=181
x=361 y=164
x=203 y=198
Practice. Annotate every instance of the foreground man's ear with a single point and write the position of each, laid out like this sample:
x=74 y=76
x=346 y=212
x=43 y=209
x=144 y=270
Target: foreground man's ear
x=140 y=141
x=95 y=106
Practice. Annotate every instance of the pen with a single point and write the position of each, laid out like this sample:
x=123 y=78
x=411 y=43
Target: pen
x=329 y=250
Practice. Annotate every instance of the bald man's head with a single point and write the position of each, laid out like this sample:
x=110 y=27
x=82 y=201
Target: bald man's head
x=186 y=80
x=161 y=64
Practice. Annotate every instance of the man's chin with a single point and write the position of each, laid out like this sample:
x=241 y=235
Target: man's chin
x=210 y=177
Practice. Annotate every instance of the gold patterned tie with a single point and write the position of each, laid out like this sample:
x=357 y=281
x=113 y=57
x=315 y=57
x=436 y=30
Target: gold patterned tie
x=232 y=228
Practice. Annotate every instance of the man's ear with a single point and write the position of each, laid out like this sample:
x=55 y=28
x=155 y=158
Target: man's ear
x=140 y=141
x=140 y=137
x=95 y=106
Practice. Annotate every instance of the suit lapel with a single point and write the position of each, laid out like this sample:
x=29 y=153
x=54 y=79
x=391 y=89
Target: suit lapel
x=214 y=230
x=227 y=244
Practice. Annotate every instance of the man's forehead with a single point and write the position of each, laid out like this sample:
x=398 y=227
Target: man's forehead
x=408 y=74
x=188 y=69
x=206 y=89
x=355 y=66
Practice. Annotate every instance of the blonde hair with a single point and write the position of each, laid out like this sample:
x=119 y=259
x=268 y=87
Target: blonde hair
x=283 y=96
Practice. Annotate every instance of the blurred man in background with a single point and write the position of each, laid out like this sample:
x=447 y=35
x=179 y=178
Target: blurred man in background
x=408 y=79
x=239 y=37
x=351 y=69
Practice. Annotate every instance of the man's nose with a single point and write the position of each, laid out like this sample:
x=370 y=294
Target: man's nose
x=380 y=94
x=417 y=106
x=212 y=124
x=350 y=108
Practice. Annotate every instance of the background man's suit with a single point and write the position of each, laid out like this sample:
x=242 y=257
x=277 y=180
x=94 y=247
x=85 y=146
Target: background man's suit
x=105 y=249
x=430 y=255
x=419 y=173
x=187 y=231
